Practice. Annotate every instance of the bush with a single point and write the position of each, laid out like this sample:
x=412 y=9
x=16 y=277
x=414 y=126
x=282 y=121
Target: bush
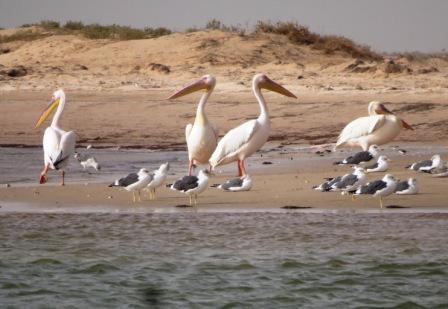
x=328 y=43
x=22 y=35
x=157 y=32
x=73 y=25
x=96 y=31
x=49 y=24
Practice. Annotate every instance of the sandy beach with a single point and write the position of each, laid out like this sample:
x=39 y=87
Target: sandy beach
x=285 y=182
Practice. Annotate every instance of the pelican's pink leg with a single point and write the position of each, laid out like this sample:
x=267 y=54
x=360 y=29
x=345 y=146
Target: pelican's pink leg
x=43 y=174
x=240 y=171
x=190 y=167
x=243 y=168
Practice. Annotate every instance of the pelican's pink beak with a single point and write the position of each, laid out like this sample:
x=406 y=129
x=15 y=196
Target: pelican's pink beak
x=200 y=84
x=269 y=84
x=47 y=111
x=385 y=110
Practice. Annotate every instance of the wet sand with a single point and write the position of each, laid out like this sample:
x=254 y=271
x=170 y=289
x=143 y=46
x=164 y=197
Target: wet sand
x=286 y=182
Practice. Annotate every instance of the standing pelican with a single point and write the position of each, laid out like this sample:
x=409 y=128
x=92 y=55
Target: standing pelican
x=380 y=127
x=242 y=141
x=201 y=136
x=59 y=145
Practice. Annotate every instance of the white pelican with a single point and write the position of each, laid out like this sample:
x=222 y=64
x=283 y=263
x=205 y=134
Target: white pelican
x=242 y=141
x=59 y=145
x=201 y=136
x=380 y=127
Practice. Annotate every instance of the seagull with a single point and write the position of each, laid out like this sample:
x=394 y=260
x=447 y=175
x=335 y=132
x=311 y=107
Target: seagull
x=158 y=178
x=193 y=185
x=379 y=188
x=87 y=161
x=409 y=186
x=350 y=182
x=241 y=142
x=361 y=157
x=134 y=182
x=380 y=127
x=326 y=186
x=427 y=165
x=243 y=183
x=59 y=145
x=380 y=166
x=202 y=135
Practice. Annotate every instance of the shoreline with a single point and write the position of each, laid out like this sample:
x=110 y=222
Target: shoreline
x=285 y=182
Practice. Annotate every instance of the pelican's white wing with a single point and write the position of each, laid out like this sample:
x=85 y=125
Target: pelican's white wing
x=51 y=145
x=188 y=130
x=360 y=127
x=233 y=141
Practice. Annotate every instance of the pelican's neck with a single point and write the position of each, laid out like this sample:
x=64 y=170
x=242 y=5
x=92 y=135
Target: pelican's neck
x=57 y=115
x=264 y=113
x=201 y=118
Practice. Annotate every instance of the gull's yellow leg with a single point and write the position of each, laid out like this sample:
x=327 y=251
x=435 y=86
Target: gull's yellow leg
x=190 y=199
x=381 y=201
x=133 y=197
x=139 y=197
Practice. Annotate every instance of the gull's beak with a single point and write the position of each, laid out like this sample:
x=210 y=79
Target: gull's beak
x=47 y=111
x=200 y=84
x=269 y=84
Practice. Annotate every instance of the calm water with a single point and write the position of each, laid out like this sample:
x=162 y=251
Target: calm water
x=195 y=260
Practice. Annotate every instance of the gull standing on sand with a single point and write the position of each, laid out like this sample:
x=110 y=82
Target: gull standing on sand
x=243 y=183
x=59 y=145
x=201 y=136
x=427 y=166
x=134 y=182
x=361 y=157
x=192 y=185
x=242 y=141
x=379 y=188
x=380 y=166
x=157 y=179
x=408 y=187
x=380 y=127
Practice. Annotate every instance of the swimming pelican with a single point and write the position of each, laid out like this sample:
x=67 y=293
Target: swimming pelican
x=59 y=145
x=201 y=136
x=380 y=127
x=242 y=141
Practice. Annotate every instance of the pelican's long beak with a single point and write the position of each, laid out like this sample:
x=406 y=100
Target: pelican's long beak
x=406 y=125
x=384 y=110
x=47 y=112
x=269 y=84
x=200 y=84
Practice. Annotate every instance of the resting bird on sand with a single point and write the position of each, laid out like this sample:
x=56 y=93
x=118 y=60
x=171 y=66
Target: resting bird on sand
x=409 y=186
x=350 y=182
x=192 y=185
x=87 y=161
x=380 y=166
x=244 y=140
x=134 y=182
x=202 y=135
x=380 y=127
x=427 y=166
x=326 y=186
x=361 y=157
x=157 y=179
x=59 y=145
x=379 y=188
x=243 y=183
